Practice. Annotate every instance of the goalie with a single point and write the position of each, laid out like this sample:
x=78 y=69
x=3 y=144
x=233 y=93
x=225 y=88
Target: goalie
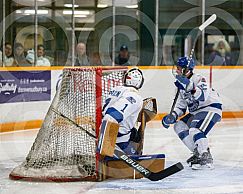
x=120 y=115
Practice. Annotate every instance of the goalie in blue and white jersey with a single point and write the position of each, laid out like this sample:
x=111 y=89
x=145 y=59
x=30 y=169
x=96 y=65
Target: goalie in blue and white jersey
x=120 y=113
x=205 y=110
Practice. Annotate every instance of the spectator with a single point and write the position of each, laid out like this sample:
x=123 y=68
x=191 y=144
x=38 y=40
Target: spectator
x=19 y=57
x=30 y=57
x=82 y=58
x=96 y=61
x=41 y=59
x=221 y=53
x=7 y=59
x=123 y=57
x=235 y=52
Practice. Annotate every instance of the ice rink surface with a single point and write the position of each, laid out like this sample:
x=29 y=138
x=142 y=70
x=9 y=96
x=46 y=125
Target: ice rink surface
x=226 y=142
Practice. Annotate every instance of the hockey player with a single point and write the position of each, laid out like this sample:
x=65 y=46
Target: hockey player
x=120 y=112
x=205 y=110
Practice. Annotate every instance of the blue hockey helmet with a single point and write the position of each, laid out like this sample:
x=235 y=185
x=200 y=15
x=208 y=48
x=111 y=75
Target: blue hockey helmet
x=186 y=63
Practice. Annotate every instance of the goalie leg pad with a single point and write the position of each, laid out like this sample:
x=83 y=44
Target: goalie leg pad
x=107 y=138
x=116 y=169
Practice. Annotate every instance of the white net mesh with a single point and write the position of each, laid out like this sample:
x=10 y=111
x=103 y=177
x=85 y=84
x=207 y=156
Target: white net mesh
x=63 y=151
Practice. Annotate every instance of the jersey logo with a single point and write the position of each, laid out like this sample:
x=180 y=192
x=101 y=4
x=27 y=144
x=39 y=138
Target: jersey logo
x=131 y=99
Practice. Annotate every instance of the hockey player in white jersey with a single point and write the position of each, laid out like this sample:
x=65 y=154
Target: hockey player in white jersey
x=205 y=110
x=122 y=106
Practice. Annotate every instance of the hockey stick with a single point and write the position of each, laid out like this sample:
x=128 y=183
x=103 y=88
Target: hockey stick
x=132 y=163
x=210 y=20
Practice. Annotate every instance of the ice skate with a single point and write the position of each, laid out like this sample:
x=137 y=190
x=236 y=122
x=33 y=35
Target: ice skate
x=205 y=162
x=194 y=158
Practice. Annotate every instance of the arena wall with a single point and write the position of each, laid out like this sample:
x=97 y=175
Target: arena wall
x=158 y=83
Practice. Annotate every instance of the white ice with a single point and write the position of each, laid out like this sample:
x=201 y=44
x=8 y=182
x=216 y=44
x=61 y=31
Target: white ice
x=226 y=142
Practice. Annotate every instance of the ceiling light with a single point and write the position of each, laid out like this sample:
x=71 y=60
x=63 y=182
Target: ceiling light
x=102 y=5
x=69 y=12
x=42 y=11
x=18 y=11
x=70 y=5
x=132 y=6
x=32 y=11
x=80 y=16
x=81 y=29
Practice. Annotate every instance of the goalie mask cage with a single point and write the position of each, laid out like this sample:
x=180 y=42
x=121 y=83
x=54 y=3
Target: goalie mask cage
x=62 y=151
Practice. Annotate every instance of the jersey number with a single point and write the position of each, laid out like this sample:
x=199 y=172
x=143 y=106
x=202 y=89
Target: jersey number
x=124 y=108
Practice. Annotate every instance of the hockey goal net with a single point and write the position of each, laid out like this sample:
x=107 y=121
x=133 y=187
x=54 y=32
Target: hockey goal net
x=65 y=146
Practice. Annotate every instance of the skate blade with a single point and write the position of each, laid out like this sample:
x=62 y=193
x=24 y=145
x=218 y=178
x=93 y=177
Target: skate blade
x=202 y=167
x=189 y=164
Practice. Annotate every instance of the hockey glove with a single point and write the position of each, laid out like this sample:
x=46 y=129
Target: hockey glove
x=135 y=135
x=183 y=83
x=169 y=119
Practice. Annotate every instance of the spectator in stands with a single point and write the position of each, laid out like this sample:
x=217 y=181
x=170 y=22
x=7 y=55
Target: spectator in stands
x=41 y=59
x=221 y=53
x=123 y=57
x=235 y=52
x=82 y=58
x=7 y=59
x=96 y=61
x=30 y=57
x=19 y=57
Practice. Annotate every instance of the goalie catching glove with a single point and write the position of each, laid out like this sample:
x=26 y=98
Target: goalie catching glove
x=149 y=109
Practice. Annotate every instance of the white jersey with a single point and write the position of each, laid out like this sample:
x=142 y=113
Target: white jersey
x=123 y=106
x=201 y=98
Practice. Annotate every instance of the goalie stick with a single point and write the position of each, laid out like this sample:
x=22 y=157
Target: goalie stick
x=130 y=162
x=210 y=20
x=153 y=176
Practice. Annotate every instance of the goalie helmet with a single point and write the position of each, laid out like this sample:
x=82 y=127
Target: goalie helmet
x=134 y=78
